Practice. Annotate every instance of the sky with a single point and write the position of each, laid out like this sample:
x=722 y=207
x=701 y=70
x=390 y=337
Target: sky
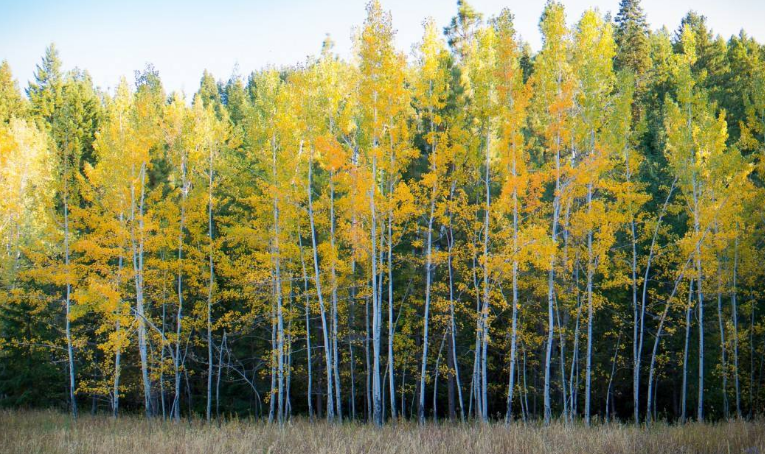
x=112 y=39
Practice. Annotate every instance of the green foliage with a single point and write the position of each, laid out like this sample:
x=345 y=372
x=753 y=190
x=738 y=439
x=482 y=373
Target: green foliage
x=481 y=180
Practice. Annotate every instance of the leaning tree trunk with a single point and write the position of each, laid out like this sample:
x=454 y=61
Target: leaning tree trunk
x=309 y=391
x=643 y=300
x=322 y=310
x=137 y=240
x=700 y=293
x=452 y=323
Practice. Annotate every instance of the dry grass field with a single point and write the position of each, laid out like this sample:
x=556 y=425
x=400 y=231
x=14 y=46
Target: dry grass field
x=51 y=432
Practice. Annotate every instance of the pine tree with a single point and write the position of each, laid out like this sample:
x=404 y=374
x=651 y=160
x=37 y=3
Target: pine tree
x=12 y=104
x=632 y=39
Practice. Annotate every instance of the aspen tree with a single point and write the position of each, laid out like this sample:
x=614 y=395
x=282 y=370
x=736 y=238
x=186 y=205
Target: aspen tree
x=176 y=126
x=385 y=106
x=431 y=92
x=110 y=182
x=594 y=49
x=694 y=136
x=512 y=100
x=553 y=84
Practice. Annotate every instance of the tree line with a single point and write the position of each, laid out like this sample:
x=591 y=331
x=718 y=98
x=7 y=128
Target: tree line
x=472 y=231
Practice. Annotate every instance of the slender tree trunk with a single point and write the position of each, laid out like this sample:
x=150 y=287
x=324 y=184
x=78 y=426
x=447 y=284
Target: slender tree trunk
x=514 y=330
x=288 y=371
x=475 y=385
x=68 y=328
x=700 y=292
x=368 y=362
x=613 y=371
x=651 y=394
x=210 y=287
x=162 y=358
x=561 y=326
x=643 y=301
x=351 y=324
x=734 y=303
x=309 y=363
x=590 y=272
x=575 y=354
x=752 y=358
x=276 y=251
x=486 y=304
x=322 y=310
x=428 y=279
x=176 y=408
x=685 y=352
x=391 y=322
x=220 y=370
x=118 y=349
x=335 y=351
x=117 y=371
x=525 y=384
x=636 y=314
x=451 y=307
x=435 y=376
x=551 y=289
x=376 y=304
x=138 y=245
x=723 y=358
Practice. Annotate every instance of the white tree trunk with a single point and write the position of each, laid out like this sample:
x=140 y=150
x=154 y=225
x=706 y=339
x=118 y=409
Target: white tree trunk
x=486 y=304
x=278 y=294
x=210 y=288
x=322 y=310
x=176 y=408
x=335 y=351
x=118 y=350
x=684 y=397
x=309 y=352
x=428 y=280
x=643 y=302
x=590 y=273
x=734 y=303
x=68 y=322
x=137 y=240
x=514 y=329
x=452 y=322
x=551 y=291
x=700 y=292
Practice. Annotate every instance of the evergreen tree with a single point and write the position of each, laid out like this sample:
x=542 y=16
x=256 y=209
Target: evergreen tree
x=12 y=104
x=632 y=38
x=46 y=90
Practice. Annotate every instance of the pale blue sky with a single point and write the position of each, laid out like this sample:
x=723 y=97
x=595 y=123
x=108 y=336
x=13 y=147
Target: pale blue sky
x=182 y=38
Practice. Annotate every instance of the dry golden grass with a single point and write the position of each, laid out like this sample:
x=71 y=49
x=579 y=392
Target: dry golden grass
x=51 y=432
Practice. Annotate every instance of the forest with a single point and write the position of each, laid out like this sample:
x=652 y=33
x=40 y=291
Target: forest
x=470 y=231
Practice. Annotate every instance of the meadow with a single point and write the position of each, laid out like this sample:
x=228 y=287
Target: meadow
x=53 y=432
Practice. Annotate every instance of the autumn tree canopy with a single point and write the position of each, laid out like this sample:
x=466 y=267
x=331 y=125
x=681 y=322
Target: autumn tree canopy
x=474 y=230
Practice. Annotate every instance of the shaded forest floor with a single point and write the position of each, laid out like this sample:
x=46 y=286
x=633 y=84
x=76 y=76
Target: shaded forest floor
x=52 y=432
